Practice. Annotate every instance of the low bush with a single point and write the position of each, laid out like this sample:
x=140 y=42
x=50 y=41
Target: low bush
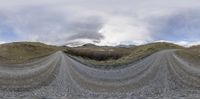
x=112 y=57
x=99 y=54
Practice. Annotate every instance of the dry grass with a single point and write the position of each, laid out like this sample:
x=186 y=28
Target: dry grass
x=21 y=52
x=124 y=55
x=99 y=53
x=191 y=55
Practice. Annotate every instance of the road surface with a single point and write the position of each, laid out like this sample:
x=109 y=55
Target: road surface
x=162 y=75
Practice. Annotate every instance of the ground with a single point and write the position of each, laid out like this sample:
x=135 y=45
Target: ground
x=192 y=54
x=127 y=55
x=165 y=71
x=21 y=52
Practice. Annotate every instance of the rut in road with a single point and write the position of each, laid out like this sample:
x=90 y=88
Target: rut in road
x=162 y=74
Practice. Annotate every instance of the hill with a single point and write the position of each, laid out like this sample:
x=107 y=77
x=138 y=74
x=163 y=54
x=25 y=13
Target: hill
x=112 y=57
x=20 y=52
x=191 y=55
x=99 y=53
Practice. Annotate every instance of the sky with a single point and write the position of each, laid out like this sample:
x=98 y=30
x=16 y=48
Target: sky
x=103 y=22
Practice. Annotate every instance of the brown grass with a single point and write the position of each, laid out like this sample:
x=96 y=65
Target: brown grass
x=98 y=53
x=191 y=55
x=123 y=56
x=20 y=52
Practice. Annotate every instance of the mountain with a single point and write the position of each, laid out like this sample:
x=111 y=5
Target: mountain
x=126 y=46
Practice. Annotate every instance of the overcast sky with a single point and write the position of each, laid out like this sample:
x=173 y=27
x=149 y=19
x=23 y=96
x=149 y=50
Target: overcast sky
x=107 y=22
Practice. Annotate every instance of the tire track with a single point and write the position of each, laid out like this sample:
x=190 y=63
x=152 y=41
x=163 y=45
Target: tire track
x=35 y=73
x=161 y=75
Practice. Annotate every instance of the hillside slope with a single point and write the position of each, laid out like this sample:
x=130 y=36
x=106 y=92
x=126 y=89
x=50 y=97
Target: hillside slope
x=112 y=57
x=191 y=55
x=20 y=52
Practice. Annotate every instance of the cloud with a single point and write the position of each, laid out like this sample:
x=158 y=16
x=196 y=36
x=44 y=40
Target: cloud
x=39 y=24
x=1 y=42
x=125 y=30
x=179 y=26
x=181 y=43
x=106 y=22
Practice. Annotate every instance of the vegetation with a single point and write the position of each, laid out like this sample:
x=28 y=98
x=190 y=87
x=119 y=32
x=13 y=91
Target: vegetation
x=96 y=56
x=98 y=53
x=112 y=57
x=20 y=52
x=191 y=55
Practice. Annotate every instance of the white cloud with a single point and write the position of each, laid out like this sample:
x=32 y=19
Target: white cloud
x=40 y=24
x=1 y=42
x=187 y=44
x=120 y=30
x=181 y=43
x=111 y=22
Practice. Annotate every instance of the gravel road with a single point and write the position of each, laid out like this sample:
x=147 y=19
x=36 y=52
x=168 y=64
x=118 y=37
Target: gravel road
x=162 y=75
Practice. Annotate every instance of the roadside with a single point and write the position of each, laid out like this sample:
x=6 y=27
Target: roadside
x=128 y=55
x=22 y=52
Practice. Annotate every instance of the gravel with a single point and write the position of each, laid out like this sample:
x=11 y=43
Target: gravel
x=162 y=75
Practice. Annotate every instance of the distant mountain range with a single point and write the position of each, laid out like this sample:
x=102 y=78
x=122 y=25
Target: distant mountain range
x=79 y=43
x=75 y=44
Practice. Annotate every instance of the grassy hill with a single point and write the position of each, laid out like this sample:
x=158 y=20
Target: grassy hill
x=98 y=53
x=112 y=57
x=20 y=52
x=192 y=54
x=92 y=55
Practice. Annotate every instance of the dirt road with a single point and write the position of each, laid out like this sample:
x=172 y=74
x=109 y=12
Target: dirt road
x=162 y=75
